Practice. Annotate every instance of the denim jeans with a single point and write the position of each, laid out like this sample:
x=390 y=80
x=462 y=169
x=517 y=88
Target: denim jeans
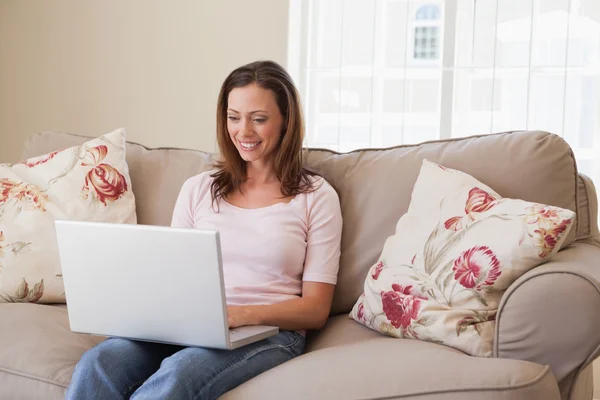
x=122 y=368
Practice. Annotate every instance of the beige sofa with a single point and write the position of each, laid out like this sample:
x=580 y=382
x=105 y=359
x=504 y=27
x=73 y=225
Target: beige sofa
x=548 y=324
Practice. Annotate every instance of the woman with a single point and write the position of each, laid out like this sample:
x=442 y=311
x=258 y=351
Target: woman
x=280 y=229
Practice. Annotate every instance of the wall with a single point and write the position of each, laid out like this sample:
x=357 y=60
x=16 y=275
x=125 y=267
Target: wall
x=153 y=67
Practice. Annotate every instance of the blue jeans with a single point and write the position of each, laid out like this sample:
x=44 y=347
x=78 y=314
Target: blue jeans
x=122 y=368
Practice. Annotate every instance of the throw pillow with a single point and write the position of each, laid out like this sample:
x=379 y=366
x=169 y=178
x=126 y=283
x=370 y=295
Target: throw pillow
x=441 y=276
x=88 y=182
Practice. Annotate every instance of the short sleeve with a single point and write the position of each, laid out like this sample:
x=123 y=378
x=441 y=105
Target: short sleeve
x=324 y=235
x=183 y=213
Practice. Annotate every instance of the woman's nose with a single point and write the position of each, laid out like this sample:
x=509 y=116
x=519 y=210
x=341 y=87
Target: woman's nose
x=245 y=127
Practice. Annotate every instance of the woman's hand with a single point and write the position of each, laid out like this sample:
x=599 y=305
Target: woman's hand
x=239 y=316
x=307 y=312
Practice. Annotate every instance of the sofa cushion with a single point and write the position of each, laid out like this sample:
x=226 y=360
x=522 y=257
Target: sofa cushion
x=340 y=330
x=156 y=174
x=38 y=351
x=441 y=276
x=379 y=367
x=84 y=183
x=41 y=332
x=374 y=185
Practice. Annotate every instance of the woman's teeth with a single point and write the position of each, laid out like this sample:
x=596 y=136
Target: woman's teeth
x=249 y=146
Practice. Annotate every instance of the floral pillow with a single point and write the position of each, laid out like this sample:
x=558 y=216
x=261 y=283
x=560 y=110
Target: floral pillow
x=88 y=182
x=441 y=276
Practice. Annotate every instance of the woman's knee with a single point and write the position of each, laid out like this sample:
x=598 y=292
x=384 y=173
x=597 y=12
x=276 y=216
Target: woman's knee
x=107 y=353
x=185 y=362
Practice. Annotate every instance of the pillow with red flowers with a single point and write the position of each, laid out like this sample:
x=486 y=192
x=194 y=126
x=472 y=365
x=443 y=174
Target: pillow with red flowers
x=87 y=183
x=441 y=276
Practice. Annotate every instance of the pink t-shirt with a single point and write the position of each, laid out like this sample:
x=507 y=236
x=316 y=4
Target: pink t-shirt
x=267 y=252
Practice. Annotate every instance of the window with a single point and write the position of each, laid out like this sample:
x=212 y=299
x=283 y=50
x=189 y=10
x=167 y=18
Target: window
x=376 y=73
x=426 y=36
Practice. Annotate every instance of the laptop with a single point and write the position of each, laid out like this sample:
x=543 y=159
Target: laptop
x=149 y=283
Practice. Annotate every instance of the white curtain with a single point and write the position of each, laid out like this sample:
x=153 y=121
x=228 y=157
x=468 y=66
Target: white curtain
x=375 y=73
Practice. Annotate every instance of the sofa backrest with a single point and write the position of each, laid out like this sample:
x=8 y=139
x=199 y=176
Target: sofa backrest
x=375 y=185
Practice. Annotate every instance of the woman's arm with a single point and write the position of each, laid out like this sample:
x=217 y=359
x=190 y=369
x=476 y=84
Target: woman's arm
x=319 y=276
x=183 y=210
x=307 y=312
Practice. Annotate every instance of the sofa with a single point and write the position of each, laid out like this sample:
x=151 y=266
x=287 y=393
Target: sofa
x=547 y=331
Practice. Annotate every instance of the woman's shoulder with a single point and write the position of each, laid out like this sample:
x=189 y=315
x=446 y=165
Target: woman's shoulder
x=321 y=189
x=198 y=183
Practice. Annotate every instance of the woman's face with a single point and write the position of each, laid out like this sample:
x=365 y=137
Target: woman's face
x=254 y=123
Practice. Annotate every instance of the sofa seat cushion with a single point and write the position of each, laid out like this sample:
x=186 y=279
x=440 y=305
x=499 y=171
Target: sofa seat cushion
x=340 y=331
x=349 y=361
x=38 y=351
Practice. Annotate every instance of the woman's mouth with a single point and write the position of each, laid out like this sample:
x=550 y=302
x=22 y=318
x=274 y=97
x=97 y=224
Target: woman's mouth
x=249 y=146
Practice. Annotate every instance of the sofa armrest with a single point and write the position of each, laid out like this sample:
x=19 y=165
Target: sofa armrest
x=551 y=315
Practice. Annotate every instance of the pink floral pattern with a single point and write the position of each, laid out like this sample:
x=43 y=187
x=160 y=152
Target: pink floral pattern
x=94 y=156
x=478 y=201
x=361 y=308
x=542 y=215
x=105 y=182
x=378 y=269
x=401 y=305
x=546 y=240
x=6 y=186
x=33 y=162
x=31 y=196
x=454 y=224
x=477 y=267
x=28 y=196
x=549 y=227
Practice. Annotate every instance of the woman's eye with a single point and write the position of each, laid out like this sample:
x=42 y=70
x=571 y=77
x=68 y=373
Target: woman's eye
x=232 y=118
x=260 y=120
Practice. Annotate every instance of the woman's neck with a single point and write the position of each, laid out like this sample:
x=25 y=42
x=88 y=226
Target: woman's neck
x=261 y=175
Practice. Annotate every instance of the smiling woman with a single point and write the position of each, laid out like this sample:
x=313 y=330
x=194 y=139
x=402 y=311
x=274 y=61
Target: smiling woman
x=260 y=131
x=258 y=123
x=280 y=229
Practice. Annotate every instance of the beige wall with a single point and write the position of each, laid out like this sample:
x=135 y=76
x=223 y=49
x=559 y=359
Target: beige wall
x=153 y=67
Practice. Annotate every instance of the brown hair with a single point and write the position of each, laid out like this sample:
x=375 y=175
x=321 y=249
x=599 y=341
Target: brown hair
x=288 y=163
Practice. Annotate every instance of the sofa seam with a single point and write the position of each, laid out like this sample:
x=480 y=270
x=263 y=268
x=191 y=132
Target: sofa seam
x=414 y=145
x=572 y=154
x=524 y=385
x=587 y=197
x=28 y=376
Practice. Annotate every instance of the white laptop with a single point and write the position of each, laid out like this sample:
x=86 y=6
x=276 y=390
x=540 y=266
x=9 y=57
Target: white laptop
x=150 y=283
